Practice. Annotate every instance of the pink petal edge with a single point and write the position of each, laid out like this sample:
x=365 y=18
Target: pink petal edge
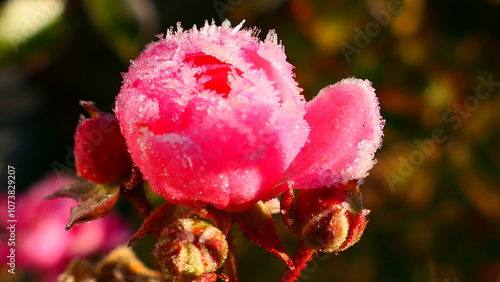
x=346 y=131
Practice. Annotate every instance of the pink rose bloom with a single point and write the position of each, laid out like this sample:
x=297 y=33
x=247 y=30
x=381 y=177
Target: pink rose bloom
x=42 y=245
x=215 y=116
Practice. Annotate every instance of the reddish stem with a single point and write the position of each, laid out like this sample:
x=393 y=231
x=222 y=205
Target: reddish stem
x=223 y=277
x=304 y=255
x=229 y=266
x=286 y=207
x=138 y=198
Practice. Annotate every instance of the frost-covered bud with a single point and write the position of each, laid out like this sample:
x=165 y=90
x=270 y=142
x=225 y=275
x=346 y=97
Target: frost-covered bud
x=190 y=249
x=205 y=125
x=331 y=219
x=101 y=155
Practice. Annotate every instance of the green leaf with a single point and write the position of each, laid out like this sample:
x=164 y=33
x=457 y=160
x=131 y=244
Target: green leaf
x=31 y=31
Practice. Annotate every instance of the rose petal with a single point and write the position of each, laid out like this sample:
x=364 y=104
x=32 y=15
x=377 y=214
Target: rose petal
x=346 y=130
x=195 y=140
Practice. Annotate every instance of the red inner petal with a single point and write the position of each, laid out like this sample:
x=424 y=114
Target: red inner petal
x=217 y=71
x=200 y=59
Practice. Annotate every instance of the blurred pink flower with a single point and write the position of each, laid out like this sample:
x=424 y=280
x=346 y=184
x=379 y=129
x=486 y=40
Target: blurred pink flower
x=215 y=116
x=42 y=244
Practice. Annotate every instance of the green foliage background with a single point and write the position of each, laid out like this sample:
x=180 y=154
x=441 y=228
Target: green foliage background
x=434 y=193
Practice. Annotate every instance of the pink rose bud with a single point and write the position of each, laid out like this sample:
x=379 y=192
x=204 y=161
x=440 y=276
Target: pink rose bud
x=191 y=250
x=212 y=115
x=101 y=155
x=331 y=219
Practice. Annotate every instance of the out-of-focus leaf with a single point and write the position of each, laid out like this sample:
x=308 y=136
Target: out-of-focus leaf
x=125 y=24
x=29 y=29
x=119 y=265
x=123 y=265
x=481 y=192
x=78 y=270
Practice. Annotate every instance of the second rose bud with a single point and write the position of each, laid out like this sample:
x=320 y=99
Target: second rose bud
x=101 y=154
x=330 y=219
x=191 y=250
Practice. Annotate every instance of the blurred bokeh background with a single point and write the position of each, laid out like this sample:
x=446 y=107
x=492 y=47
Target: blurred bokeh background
x=435 y=191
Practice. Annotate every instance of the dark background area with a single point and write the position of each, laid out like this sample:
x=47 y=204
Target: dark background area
x=435 y=202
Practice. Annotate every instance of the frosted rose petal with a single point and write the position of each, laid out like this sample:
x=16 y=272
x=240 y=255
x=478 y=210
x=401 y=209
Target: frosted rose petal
x=346 y=130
